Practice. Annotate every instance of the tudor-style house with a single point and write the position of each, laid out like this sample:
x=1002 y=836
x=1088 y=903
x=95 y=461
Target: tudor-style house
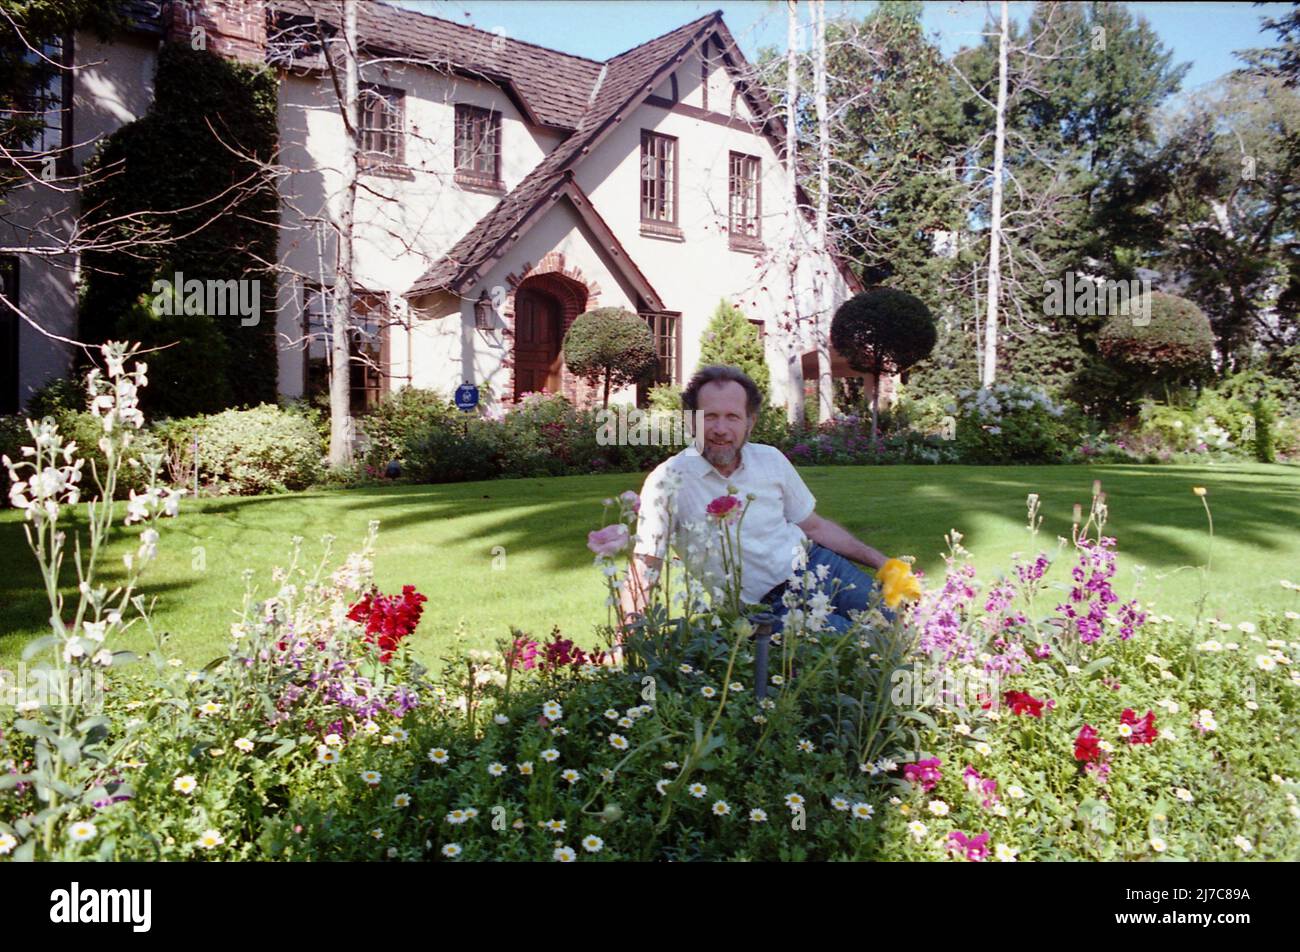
x=505 y=189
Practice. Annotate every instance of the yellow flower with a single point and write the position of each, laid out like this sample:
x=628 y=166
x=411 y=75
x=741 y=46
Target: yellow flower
x=1199 y=490
x=899 y=583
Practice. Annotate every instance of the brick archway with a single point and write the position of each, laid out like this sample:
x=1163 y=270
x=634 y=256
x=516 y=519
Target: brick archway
x=575 y=294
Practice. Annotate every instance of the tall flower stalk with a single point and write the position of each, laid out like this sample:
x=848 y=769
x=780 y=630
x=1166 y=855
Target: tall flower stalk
x=43 y=485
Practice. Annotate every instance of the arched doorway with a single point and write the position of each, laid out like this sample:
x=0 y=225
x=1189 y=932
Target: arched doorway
x=538 y=336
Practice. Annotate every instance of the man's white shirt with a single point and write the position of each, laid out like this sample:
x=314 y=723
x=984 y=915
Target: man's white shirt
x=769 y=535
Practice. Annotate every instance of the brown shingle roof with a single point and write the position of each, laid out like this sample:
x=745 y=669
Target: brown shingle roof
x=553 y=86
x=623 y=77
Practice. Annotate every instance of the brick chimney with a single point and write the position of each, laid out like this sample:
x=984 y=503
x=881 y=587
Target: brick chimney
x=233 y=29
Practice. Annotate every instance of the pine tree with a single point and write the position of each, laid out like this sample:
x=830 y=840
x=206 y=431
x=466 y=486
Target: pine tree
x=731 y=339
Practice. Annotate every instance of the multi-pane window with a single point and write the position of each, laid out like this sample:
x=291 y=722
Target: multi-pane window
x=666 y=329
x=478 y=146
x=382 y=112
x=368 y=345
x=658 y=179
x=9 y=334
x=744 y=202
x=39 y=112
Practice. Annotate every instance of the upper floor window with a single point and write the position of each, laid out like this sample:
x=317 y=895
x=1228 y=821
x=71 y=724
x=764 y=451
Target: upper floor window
x=744 y=203
x=478 y=147
x=382 y=112
x=659 y=184
x=36 y=125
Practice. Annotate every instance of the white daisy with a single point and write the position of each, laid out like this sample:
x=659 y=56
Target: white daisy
x=550 y=755
x=698 y=790
x=82 y=831
x=757 y=816
x=210 y=839
x=863 y=811
x=592 y=843
x=438 y=755
x=451 y=850
x=720 y=808
x=185 y=784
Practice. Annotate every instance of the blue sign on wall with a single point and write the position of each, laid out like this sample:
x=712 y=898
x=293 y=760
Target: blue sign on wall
x=467 y=396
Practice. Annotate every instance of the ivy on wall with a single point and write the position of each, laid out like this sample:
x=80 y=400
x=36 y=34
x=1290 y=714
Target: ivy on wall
x=208 y=114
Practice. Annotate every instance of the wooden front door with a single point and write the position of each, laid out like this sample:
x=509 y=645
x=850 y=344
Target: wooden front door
x=537 y=342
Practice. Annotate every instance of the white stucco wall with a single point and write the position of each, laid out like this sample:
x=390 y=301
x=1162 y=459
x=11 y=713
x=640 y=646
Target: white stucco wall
x=403 y=225
x=693 y=274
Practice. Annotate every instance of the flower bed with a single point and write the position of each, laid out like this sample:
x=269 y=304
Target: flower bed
x=1034 y=715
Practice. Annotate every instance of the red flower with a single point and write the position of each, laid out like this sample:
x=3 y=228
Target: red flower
x=1022 y=703
x=388 y=618
x=722 y=506
x=1085 y=745
x=1144 y=730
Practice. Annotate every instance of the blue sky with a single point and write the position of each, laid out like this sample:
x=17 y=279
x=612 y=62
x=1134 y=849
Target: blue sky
x=1204 y=34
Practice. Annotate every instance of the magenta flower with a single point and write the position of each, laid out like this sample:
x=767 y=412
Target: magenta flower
x=924 y=772
x=609 y=540
x=976 y=849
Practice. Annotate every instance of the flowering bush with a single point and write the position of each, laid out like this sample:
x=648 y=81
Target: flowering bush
x=1011 y=424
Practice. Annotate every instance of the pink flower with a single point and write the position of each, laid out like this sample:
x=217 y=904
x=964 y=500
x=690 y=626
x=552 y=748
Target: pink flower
x=609 y=540
x=925 y=772
x=976 y=848
x=632 y=500
x=723 y=506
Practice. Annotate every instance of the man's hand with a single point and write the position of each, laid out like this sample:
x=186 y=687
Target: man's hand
x=835 y=537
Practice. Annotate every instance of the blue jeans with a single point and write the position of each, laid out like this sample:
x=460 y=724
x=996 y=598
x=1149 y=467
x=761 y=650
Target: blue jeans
x=845 y=599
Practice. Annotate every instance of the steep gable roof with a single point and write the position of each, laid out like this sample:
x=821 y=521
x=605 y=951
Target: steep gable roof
x=623 y=81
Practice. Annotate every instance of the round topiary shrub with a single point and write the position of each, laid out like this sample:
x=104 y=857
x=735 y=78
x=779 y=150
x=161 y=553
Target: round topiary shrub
x=610 y=346
x=883 y=331
x=1164 y=337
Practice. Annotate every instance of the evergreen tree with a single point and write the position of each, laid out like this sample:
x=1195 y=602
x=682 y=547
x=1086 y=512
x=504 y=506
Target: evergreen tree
x=730 y=339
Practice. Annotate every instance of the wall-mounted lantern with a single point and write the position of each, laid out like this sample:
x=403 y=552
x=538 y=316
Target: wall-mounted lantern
x=483 y=312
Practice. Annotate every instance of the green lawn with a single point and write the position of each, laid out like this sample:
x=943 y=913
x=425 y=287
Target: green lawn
x=509 y=552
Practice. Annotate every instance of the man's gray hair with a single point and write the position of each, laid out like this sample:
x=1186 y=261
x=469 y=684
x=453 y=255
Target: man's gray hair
x=722 y=373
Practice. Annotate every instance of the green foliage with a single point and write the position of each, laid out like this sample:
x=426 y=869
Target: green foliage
x=1011 y=424
x=610 y=347
x=666 y=398
x=403 y=416
x=264 y=449
x=730 y=339
x=178 y=158
x=1263 y=416
x=446 y=455
x=883 y=331
x=1176 y=342
x=189 y=372
x=57 y=396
